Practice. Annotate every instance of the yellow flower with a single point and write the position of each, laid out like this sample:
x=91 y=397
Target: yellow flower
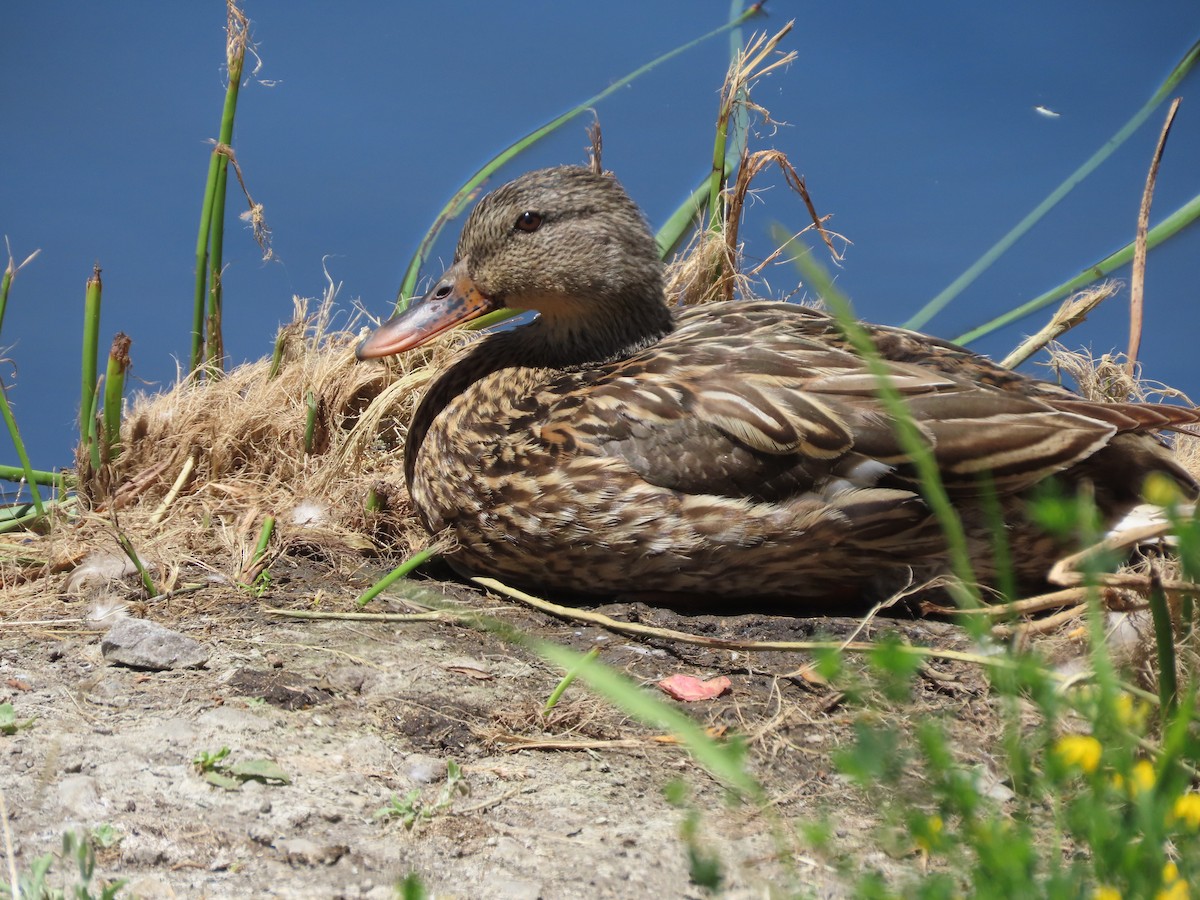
x=1173 y=887
x=1187 y=809
x=1143 y=776
x=1104 y=892
x=1141 y=779
x=1079 y=750
x=1160 y=489
x=1131 y=713
x=933 y=828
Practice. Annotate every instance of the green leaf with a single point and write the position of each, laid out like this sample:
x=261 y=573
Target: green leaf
x=223 y=781
x=411 y=888
x=260 y=770
x=8 y=720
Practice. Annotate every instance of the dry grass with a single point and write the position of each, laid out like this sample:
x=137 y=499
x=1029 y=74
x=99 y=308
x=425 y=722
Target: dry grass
x=206 y=461
x=1111 y=378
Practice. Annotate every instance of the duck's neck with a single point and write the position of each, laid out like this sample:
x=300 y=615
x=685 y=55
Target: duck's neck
x=593 y=332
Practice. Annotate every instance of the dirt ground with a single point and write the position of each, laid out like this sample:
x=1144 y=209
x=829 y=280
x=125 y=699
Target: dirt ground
x=358 y=713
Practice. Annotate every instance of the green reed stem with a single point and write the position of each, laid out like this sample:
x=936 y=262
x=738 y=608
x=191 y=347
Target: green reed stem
x=681 y=222
x=732 y=124
x=57 y=480
x=90 y=352
x=114 y=392
x=310 y=420
x=956 y=287
x=236 y=37
x=16 y=518
x=214 y=350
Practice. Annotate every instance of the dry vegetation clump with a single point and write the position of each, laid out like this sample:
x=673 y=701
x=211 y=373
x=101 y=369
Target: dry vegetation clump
x=204 y=463
x=245 y=434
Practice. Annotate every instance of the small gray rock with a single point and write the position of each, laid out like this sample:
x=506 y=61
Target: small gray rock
x=515 y=889
x=303 y=852
x=80 y=796
x=140 y=644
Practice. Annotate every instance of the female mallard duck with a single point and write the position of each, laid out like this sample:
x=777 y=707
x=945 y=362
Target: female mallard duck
x=616 y=445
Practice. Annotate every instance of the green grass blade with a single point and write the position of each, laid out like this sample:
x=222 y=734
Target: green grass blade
x=956 y=287
x=277 y=355
x=10 y=272
x=1169 y=227
x=407 y=567
x=682 y=221
x=565 y=682
x=129 y=551
x=260 y=548
x=487 y=320
x=1006 y=575
x=11 y=423
x=5 y=283
x=465 y=193
x=1164 y=643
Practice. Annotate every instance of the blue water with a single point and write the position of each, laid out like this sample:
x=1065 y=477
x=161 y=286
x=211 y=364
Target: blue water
x=913 y=124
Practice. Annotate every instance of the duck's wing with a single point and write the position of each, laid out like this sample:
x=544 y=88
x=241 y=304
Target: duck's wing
x=757 y=401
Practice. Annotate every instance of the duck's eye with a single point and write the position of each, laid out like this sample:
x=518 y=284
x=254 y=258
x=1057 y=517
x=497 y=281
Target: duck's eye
x=529 y=221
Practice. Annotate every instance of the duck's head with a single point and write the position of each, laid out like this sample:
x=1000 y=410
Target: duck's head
x=566 y=242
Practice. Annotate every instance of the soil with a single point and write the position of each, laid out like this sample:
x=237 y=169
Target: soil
x=365 y=714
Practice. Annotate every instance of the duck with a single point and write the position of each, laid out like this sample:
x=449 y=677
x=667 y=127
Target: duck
x=620 y=446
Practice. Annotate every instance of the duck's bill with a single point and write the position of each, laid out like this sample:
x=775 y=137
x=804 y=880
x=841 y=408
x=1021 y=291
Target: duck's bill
x=452 y=301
